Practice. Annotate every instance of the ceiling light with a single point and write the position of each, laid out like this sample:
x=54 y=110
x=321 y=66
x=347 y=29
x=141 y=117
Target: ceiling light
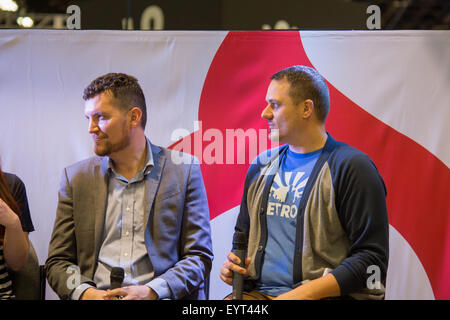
x=25 y=22
x=8 y=5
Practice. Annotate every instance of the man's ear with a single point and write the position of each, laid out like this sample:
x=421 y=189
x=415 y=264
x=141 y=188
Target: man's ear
x=308 y=108
x=135 y=115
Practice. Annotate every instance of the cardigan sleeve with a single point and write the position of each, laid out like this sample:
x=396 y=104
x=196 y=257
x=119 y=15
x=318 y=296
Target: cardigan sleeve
x=361 y=205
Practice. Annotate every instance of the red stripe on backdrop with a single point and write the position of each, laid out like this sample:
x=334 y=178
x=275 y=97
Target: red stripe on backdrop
x=417 y=184
x=233 y=97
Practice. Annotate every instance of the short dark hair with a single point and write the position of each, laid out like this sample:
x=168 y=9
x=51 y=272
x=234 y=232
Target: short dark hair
x=123 y=87
x=306 y=83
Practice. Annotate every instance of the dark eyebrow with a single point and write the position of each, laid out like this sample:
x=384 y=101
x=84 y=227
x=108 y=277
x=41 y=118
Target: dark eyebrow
x=96 y=114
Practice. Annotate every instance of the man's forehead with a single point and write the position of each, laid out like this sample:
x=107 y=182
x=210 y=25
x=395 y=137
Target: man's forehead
x=99 y=102
x=91 y=104
x=96 y=104
x=277 y=89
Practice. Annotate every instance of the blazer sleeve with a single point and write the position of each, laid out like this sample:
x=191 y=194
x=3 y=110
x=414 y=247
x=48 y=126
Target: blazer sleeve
x=63 y=273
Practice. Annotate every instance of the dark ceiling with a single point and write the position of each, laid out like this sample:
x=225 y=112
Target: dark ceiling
x=413 y=14
x=397 y=14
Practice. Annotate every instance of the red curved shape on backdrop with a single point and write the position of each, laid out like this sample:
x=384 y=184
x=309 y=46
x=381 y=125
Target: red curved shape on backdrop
x=233 y=96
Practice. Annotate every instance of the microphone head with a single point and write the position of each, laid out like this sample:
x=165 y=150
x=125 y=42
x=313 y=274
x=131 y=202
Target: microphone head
x=117 y=274
x=239 y=241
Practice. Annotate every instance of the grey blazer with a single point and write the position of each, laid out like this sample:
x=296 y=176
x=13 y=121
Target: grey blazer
x=177 y=220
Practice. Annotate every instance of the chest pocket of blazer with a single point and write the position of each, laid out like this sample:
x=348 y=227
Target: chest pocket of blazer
x=169 y=200
x=169 y=192
x=167 y=217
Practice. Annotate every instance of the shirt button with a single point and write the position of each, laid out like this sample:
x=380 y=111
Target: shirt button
x=127 y=233
x=125 y=254
x=128 y=209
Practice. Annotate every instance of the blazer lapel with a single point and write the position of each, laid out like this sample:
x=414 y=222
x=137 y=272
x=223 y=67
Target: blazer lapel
x=152 y=181
x=100 y=199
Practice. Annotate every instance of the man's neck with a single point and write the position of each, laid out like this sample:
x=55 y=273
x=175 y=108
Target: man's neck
x=313 y=141
x=131 y=160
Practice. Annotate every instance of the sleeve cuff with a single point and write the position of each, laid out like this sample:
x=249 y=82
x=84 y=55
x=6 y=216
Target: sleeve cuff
x=346 y=280
x=161 y=288
x=76 y=294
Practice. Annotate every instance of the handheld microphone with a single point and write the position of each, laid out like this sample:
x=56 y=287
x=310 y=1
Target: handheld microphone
x=240 y=250
x=116 y=277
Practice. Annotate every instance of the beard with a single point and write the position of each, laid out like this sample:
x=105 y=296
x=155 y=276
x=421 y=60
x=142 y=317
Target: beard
x=105 y=147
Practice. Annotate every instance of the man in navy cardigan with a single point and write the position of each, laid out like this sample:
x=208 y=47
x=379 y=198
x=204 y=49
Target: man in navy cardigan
x=314 y=210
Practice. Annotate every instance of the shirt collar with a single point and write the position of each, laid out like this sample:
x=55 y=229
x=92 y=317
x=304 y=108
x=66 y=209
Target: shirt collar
x=149 y=162
x=149 y=157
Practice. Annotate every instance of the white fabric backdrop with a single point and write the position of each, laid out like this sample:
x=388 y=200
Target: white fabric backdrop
x=43 y=129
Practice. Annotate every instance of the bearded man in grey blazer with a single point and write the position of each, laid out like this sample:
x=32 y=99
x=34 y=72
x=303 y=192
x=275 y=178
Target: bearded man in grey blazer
x=133 y=206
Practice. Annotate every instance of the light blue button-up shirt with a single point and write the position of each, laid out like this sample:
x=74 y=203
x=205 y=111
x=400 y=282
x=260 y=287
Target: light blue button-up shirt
x=124 y=234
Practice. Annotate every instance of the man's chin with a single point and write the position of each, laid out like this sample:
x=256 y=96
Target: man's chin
x=101 y=152
x=274 y=136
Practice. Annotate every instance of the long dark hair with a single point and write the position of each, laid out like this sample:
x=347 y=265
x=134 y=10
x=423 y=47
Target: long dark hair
x=7 y=197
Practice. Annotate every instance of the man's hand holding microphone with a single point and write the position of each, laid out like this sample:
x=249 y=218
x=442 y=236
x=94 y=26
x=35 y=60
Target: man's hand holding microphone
x=235 y=268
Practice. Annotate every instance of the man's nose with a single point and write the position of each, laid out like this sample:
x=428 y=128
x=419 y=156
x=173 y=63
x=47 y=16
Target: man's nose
x=93 y=126
x=267 y=113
